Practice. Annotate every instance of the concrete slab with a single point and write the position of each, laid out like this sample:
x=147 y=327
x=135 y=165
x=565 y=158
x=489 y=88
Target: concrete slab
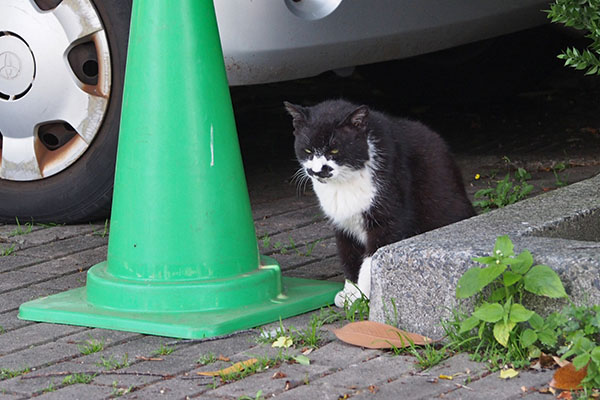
x=560 y=229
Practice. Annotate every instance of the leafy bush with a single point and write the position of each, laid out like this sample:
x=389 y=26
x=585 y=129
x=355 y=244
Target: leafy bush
x=582 y=15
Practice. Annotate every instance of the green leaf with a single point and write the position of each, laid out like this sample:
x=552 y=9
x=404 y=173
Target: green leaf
x=485 y=260
x=468 y=324
x=301 y=359
x=547 y=337
x=596 y=354
x=536 y=322
x=543 y=281
x=488 y=274
x=528 y=337
x=502 y=332
x=581 y=361
x=510 y=278
x=504 y=246
x=497 y=295
x=489 y=312
x=521 y=263
x=468 y=284
x=518 y=313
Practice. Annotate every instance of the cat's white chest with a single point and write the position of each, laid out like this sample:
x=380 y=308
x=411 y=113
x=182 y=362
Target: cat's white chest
x=345 y=201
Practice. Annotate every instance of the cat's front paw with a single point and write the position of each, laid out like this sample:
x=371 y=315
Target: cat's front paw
x=348 y=295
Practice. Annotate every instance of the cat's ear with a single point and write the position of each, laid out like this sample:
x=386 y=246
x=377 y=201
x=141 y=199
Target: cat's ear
x=298 y=113
x=358 y=117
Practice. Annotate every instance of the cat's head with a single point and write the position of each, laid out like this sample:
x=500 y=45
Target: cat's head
x=331 y=138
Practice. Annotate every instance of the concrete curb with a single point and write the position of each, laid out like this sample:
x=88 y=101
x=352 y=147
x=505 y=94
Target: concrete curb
x=419 y=274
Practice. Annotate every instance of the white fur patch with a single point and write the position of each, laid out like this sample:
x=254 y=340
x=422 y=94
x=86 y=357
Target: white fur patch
x=353 y=291
x=346 y=195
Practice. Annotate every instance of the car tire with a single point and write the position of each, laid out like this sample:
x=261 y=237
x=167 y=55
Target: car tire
x=82 y=190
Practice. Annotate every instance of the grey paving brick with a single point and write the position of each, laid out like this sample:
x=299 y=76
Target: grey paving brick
x=42 y=235
x=15 y=279
x=12 y=300
x=497 y=388
x=9 y=321
x=34 y=335
x=288 y=221
x=62 y=248
x=15 y=260
x=63 y=283
x=78 y=392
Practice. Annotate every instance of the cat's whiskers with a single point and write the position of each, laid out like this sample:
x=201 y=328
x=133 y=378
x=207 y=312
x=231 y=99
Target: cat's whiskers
x=300 y=178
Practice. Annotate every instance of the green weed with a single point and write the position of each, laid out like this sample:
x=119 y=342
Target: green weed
x=164 y=350
x=112 y=363
x=6 y=373
x=507 y=191
x=91 y=346
x=8 y=251
x=21 y=229
x=206 y=359
x=556 y=170
x=259 y=396
x=78 y=378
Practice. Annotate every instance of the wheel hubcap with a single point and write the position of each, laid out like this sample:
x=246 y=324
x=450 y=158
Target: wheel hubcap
x=17 y=67
x=55 y=82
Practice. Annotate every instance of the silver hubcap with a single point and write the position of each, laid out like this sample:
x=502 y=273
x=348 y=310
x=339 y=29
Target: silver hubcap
x=54 y=86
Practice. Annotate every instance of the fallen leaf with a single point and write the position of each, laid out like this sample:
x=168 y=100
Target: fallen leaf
x=307 y=351
x=278 y=375
x=523 y=389
x=547 y=361
x=565 y=395
x=375 y=335
x=302 y=360
x=559 y=362
x=283 y=341
x=237 y=367
x=149 y=358
x=508 y=373
x=373 y=389
x=567 y=378
x=223 y=358
x=447 y=377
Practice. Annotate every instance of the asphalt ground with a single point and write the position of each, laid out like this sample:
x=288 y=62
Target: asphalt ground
x=537 y=128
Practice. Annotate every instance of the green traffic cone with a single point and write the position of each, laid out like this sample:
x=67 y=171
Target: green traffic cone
x=183 y=257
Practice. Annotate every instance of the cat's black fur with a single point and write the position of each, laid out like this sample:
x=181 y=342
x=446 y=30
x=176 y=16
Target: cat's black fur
x=419 y=186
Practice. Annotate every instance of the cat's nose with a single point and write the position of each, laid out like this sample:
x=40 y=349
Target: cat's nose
x=324 y=172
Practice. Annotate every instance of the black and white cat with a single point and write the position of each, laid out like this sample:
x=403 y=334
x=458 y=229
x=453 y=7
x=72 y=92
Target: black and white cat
x=379 y=179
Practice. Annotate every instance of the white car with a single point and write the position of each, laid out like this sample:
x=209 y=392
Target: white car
x=62 y=67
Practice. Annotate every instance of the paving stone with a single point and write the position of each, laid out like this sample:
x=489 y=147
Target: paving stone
x=63 y=283
x=77 y=392
x=51 y=234
x=288 y=221
x=494 y=387
x=62 y=248
x=34 y=335
x=22 y=278
x=321 y=269
x=15 y=261
x=9 y=321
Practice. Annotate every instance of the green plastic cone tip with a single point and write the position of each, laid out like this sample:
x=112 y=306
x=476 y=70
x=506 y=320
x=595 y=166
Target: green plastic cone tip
x=183 y=257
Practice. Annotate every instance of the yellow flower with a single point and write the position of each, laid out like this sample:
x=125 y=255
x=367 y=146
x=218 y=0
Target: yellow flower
x=477 y=176
x=283 y=341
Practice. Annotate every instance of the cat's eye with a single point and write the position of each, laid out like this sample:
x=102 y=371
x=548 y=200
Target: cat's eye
x=334 y=151
x=307 y=151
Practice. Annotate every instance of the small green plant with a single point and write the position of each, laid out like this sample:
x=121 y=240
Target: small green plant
x=8 y=251
x=49 y=388
x=556 y=170
x=310 y=247
x=6 y=373
x=266 y=240
x=77 y=378
x=91 y=346
x=259 y=396
x=112 y=363
x=206 y=359
x=508 y=277
x=21 y=229
x=507 y=191
x=358 y=310
x=582 y=15
x=120 y=391
x=164 y=350
x=104 y=232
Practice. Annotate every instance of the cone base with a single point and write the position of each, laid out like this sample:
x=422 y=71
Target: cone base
x=72 y=308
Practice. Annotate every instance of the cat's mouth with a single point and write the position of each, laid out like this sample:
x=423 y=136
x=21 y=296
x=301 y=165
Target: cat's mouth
x=322 y=176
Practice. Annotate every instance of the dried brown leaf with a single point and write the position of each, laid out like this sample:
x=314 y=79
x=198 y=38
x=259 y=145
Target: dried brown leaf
x=237 y=367
x=375 y=335
x=568 y=378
